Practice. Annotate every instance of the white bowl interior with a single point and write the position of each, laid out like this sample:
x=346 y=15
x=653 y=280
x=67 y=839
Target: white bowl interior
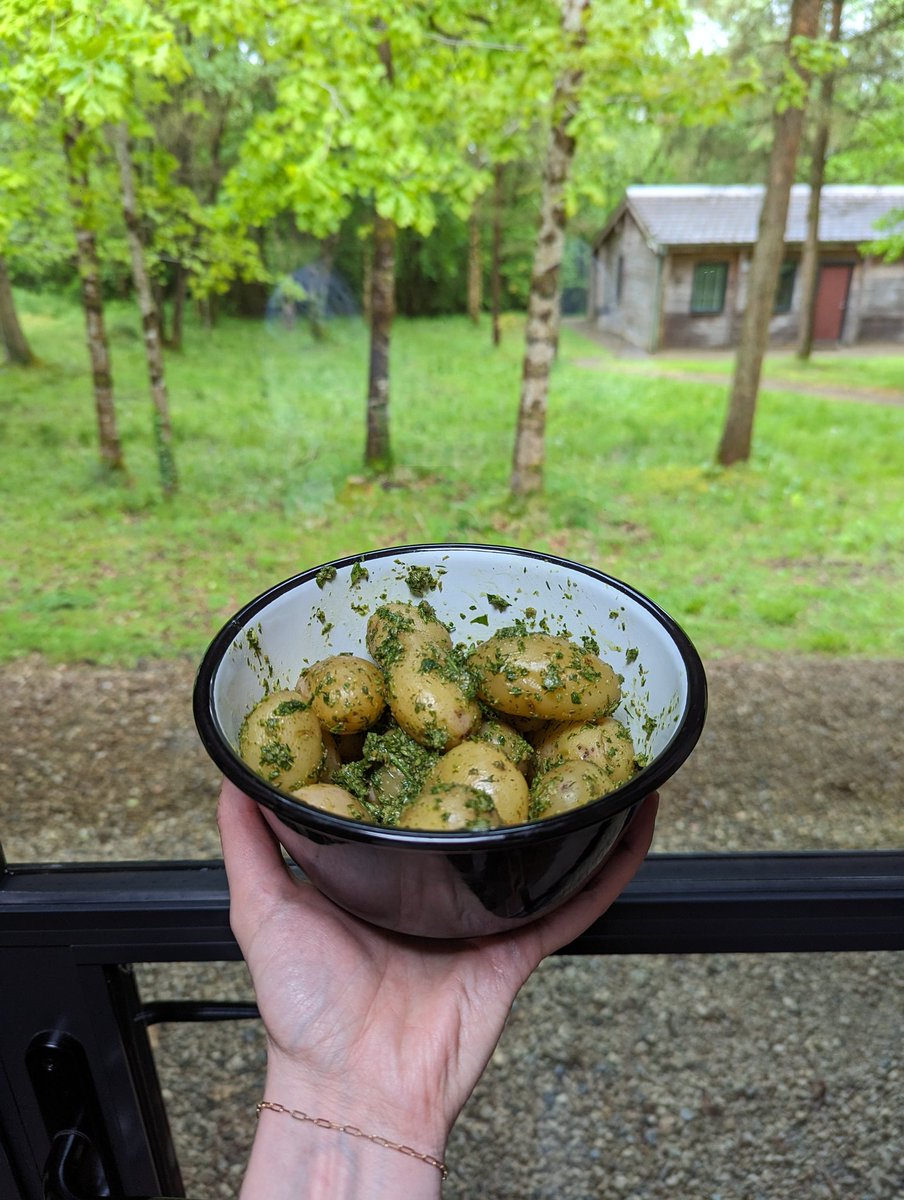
x=315 y=619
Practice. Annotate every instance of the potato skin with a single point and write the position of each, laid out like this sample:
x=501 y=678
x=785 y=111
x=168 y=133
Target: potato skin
x=450 y=807
x=280 y=740
x=396 y=625
x=570 y=785
x=485 y=767
x=606 y=743
x=347 y=692
x=540 y=675
x=334 y=799
x=503 y=735
x=427 y=701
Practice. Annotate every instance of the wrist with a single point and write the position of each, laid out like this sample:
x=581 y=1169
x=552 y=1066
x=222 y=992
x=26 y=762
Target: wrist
x=417 y=1121
x=389 y=1153
x=300 y=1160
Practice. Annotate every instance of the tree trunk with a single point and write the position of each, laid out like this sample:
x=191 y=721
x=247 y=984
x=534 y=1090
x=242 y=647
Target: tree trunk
x=92 y=302
x=545 y=291
x=367 y=279
x=809 y=262
x=475 y=268
x=163 y=435
x=496 y=261
x=767 y=255
x=382 y=308
x=16 y=344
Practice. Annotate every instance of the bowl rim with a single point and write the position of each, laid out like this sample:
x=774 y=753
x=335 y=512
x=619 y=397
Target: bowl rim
x=328 y=826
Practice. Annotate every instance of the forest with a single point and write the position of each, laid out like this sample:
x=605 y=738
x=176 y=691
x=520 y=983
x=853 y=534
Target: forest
x=438 y=159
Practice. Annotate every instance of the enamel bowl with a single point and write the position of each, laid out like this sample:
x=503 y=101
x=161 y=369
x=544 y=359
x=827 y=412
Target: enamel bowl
x=440 y=884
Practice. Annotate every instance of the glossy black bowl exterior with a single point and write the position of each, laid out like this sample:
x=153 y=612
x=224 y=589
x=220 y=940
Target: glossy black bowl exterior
x=438 y=884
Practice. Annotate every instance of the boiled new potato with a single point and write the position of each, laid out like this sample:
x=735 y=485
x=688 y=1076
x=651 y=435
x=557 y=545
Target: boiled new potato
x=570 y=785
x=280 y=740
x=334 y=799
x=346 y=692
x=504 y=736
x=397 y=624
x=540 y=675
x=450 y=807
x=606 y=743
x=427 y=697
x=485 y=767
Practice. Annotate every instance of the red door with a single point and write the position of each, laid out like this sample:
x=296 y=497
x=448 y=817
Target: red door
x=831 y=301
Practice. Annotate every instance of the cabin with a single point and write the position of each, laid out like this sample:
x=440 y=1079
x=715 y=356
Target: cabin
x=670 y=268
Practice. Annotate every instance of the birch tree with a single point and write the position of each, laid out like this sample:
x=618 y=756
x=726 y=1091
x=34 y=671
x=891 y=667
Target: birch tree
x=543 y=304
x=762 y=280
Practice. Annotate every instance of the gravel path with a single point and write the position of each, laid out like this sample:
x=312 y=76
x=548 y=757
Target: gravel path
x=698 y=1078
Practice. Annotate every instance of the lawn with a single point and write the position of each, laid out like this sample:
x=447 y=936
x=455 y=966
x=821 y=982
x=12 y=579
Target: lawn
x=797 y=551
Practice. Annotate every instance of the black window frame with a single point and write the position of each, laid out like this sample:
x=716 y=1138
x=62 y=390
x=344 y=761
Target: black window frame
x=699 y=308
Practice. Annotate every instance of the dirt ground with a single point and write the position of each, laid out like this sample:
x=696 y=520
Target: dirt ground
x=797 y=754
x=697 y=1078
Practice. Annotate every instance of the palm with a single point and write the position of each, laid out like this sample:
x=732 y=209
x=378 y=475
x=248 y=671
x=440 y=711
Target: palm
x=404 y=1022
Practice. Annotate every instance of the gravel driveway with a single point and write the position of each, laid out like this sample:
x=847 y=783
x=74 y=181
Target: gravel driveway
x=690 y=1077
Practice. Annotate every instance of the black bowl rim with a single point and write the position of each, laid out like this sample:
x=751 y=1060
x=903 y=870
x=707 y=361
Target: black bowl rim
x=335 y=828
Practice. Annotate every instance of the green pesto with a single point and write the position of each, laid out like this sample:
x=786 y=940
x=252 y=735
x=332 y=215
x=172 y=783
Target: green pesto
x=420 y=580
x=277 y=755
x=395 y=748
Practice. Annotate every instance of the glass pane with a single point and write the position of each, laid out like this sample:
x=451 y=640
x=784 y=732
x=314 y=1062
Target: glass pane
x=708 y=294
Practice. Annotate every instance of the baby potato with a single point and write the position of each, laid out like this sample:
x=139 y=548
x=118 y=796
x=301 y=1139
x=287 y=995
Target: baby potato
x=607 y=743
x=347 y=693
x=450 y=807
x=539 y=675
x=331 y=758
x=485 y=767
x=397 y=624
x=280 y=740
x=571 y=784
x=334 y=799
x=428 y=699
x=502 y=735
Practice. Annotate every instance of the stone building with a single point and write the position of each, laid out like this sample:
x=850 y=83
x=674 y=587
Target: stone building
x=670 y=267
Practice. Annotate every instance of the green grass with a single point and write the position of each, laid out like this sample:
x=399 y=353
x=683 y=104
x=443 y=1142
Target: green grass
x=797 y=551
x=826 y=369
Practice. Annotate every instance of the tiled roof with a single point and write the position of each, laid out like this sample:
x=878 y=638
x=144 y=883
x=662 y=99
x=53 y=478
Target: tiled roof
x=695 y=214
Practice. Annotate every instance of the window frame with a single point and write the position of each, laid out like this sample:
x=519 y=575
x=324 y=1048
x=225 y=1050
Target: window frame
x=699 y=309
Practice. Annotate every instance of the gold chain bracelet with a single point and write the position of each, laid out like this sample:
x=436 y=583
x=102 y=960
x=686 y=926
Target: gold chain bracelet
x=353 y=1131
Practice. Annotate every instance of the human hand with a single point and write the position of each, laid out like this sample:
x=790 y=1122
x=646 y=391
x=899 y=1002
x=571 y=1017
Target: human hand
x=365 y=1027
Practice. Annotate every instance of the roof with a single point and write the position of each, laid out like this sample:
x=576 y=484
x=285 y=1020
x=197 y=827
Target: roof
x=698 y=214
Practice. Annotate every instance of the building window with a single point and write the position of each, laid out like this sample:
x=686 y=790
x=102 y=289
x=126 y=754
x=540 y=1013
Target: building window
x=708 y=292
x=785 y=289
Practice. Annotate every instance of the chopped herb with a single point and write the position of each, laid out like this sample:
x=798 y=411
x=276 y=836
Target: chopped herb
x=483 y=619
x=324 y=576
x=277 y=755
x=631 y=655
x=289 y=706
x=359 y=573
x=590 y=644
x=420 y=580
x=498 y=602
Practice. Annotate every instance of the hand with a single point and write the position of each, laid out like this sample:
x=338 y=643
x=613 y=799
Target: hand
x=374 y=1029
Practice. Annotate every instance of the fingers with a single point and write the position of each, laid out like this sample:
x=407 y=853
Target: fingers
x=254 y=862
x=567 y=922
